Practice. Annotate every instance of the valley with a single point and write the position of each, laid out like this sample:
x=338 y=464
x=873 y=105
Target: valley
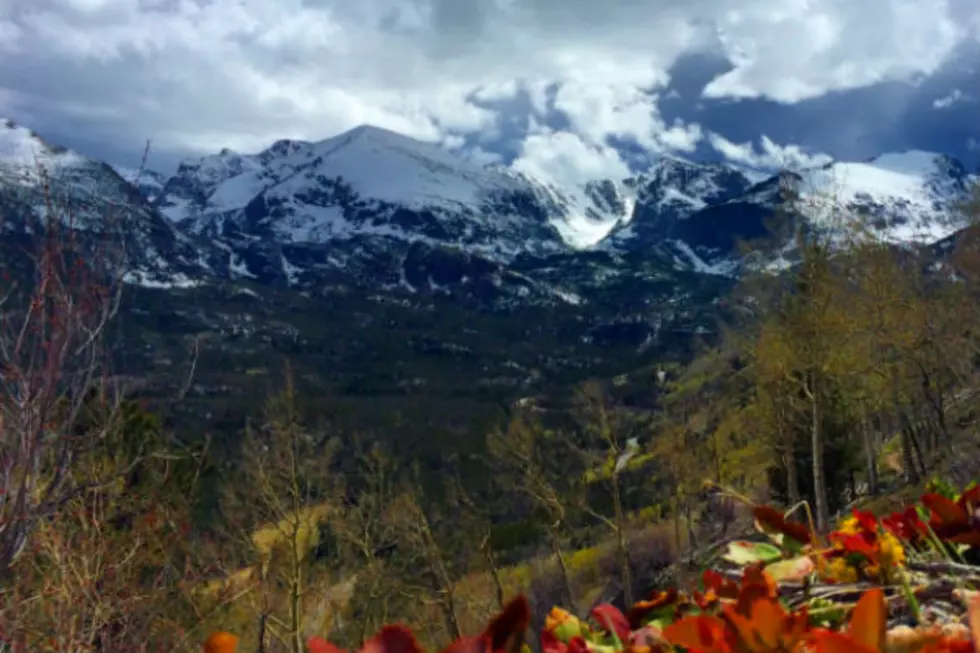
x=405 y=285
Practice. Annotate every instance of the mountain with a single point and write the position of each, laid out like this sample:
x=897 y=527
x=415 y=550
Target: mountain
x=370 y=182
x=97 y=202
x=385 y=267
x=704 y=211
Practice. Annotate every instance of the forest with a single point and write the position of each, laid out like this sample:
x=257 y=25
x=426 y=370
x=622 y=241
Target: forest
x=840 y=388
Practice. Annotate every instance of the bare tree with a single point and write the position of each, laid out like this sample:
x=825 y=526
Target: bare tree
x=365 y=530
x=114 y=566
x=275 y=506
x=520 y=457
x=610 y=444
x=55 y=304
x=419 y=539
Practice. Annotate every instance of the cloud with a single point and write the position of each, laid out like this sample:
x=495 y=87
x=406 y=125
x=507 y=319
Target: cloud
x=568 y=157
x=771 y=157
x=197 y=75
x=947 y=101
x=816 y=46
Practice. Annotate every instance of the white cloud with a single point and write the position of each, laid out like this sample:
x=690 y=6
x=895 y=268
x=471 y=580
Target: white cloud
x=945 y=102
x=772 y=156
x=815 y=46
x=567 y=157
x=684 y=138
x=198 y=75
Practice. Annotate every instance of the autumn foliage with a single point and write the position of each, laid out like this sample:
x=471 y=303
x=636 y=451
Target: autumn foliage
x=760 y=609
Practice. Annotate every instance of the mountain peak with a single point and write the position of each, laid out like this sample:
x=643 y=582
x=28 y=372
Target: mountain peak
x=19 y=145
x=369 y=130
x=23 y=149
x=373 y=138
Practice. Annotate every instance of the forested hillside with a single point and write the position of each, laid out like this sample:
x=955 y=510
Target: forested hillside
x=849 y=378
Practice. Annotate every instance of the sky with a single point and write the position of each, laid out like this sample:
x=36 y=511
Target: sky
x=567 y=89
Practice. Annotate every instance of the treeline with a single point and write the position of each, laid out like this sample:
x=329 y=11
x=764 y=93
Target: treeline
x=852 y=372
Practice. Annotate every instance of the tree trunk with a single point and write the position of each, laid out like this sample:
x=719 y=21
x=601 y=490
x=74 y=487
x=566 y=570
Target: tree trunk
x=789 y=458
x=562 y=567
x=908 y=460
x=817 y=447
x=621 y=548
x=871 y=462
x=261 y=639
x=448 y=604
x=296 y=599
x=494 y=572
x=917 y=449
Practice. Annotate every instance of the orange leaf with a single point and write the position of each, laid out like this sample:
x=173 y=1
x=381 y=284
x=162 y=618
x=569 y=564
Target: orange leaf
x=973 y=616
x=759 y=624
x=700 y=633
x=868 y=621
x=221 y=642
x=638 y=613
x=827 y=641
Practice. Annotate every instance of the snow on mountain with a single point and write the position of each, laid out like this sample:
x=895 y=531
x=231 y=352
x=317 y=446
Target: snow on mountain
x=704 y=211
x=370 y=182
x=149 y=182
x=381 y=207
x=906 y=197
x=671 y=191
x=22 y=152
x=96 y=199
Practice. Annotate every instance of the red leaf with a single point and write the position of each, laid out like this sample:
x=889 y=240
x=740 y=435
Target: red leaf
x=943 y=510
x=905 y=525
x=471 y=644
x=577 y=645
x=612 y=620
x=856 y=544
x=506 y=631
x=721 y=586
x=774 y=520
x=320 y=645
x=392 y=639
x=550 y=643
x=867 y=521
x=970 y=498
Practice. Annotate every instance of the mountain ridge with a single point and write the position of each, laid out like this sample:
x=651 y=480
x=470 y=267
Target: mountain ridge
x=370 y=189
x=288 y=253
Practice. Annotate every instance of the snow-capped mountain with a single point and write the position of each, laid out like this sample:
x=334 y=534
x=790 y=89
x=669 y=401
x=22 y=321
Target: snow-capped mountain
x=373 y=208
x=149 y=182
x=373 y=182
x=703 y=212
x=37 y=178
